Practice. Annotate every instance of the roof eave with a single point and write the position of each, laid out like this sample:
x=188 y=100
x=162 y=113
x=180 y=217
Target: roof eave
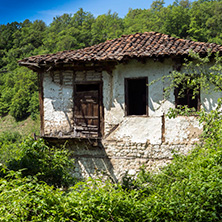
x=33 y=66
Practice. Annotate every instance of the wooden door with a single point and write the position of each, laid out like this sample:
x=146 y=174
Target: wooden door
x=87 y=110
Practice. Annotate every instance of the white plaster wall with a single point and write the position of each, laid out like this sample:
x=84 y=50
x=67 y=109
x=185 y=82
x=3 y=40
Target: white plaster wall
x=141 y=129
x=209 y=99
x=58 y=105
x=182 y=130
x=137 y=128
x=58 y=100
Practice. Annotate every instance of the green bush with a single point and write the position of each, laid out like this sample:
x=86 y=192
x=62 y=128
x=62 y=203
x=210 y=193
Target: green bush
x=35 y=158
x=19 y=105
x=7 y=137
x=26 y=199
x=8 y=145
x=188 y=189
x=34 y=105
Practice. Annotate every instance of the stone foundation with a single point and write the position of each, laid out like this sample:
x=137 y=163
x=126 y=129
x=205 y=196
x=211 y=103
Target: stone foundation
x=102 y=159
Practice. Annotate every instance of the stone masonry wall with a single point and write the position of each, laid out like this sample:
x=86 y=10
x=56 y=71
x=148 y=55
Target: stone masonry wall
x=114 y=157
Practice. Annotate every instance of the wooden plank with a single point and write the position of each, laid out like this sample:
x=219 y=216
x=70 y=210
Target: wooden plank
x=79 y=128
x=41 y=102
x=86 y=117
x=101 y=110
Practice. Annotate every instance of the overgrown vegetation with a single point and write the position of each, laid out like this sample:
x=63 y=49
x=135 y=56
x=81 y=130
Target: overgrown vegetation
x=36 y=159
x=188 y=189
x=198 y=20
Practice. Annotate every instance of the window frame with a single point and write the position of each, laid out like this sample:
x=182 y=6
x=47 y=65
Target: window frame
x=127 y=97
x=176 y=92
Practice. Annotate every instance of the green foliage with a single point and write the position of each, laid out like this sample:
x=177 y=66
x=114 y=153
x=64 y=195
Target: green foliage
x=188 y=189
x=176 y=22
x=26 y=199
x=35 y=158
x=34 y=105
x=18 y=108
x=107 y=26
x=9 y=137
x=19 y=94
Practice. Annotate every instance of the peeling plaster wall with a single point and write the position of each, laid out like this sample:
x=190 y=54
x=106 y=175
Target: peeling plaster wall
x=58 y=103
x=114 y=95
x=58 y=100
x=129 y=141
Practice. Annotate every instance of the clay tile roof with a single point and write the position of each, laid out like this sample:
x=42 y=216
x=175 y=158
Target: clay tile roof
x=146 y=44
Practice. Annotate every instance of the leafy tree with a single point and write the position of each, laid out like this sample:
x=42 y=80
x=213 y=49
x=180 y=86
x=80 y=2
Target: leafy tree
x=58 y=25
x=157 y=5
x=176 y=21
x=106 y=26
x=139 y=20
x=82 y=24
x=19 y=106
x=205 y=17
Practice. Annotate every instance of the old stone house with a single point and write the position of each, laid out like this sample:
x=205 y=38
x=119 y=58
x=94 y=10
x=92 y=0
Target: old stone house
x=98 y=98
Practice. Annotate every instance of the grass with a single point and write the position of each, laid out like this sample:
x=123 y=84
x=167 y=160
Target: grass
x=25 y=127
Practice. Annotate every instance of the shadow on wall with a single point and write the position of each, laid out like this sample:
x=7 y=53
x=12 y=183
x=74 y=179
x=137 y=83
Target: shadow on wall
x=210 y=103
x=91 y=159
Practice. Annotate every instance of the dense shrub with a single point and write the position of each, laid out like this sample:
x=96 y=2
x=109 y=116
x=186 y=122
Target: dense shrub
x=19 y=106
x=26 y=199
x=189 y=189
x=35 y=158
x=7 y=137
x=34 y=105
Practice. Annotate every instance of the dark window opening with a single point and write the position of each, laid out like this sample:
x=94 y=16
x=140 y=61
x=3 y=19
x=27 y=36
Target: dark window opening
x=186 y=97
x=87 y=87
x=136 y=96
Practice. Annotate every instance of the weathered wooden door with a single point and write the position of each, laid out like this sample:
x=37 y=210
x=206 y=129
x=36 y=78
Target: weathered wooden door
x=87 y=110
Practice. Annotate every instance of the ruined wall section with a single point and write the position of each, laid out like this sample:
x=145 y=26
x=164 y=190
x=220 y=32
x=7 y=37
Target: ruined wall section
x=58 y=103
x=155 y=128
x=87 y=76
x=114 y=94
x=125 y=151
x=58 y=100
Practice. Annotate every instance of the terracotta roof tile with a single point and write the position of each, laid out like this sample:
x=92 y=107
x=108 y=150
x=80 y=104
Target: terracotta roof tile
x=146 y=44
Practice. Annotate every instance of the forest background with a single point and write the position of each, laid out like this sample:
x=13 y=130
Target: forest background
x=198 y=20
